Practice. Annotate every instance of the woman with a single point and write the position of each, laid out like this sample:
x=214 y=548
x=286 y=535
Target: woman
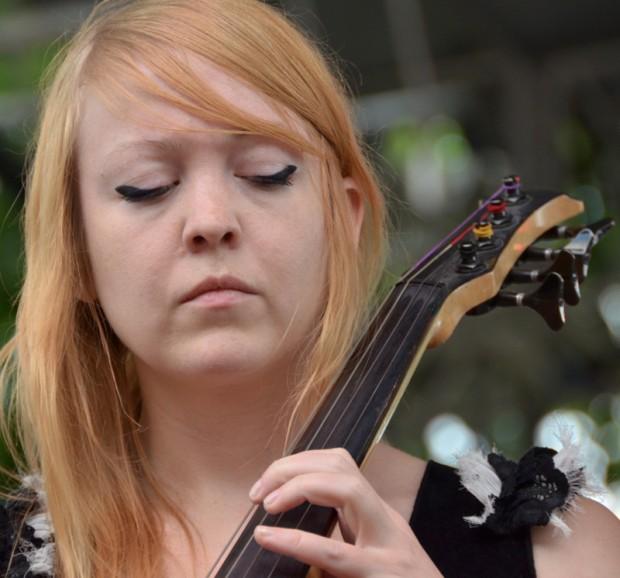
x=203 y=232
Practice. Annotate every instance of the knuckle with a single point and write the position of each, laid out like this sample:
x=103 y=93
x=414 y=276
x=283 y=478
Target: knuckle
x=297 y=539
x=342 y=458
x=334 y=554
x=275 y=472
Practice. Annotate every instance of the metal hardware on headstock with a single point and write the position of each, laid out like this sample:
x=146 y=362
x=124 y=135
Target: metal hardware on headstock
x=512 y=190
x=564 y=266
x=547 y=300
x=469 y=258
x=599 y=228
x=498 y=214
x=560 y=281
x=580 y=247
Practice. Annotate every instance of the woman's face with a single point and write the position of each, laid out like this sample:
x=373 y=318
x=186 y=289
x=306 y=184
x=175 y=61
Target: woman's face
x=218 y=272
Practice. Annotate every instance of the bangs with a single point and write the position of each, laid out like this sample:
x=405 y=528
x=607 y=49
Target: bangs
x=145 y=72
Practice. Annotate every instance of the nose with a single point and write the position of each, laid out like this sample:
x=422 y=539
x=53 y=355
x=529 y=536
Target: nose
x=211 y=221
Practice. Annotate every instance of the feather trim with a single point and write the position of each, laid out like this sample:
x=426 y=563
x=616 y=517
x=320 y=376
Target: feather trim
x=480 y=479
x=537 y=490
x=40 y=558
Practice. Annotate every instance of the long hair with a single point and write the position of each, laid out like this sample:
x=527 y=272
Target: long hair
x=71 y=410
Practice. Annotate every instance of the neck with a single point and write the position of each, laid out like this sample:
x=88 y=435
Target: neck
x=205 y=440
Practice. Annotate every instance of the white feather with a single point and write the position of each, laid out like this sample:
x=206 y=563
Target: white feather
x=40 y=559
x=480 y=480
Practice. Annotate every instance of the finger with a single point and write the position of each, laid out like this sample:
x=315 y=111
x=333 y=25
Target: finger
x=359 y=507
x=337 y=558
x=282 y=470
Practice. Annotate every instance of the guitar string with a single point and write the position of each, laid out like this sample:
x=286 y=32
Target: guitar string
x=458 y=231
x=418 y=270
x=422 y=267
x=454 y=235
x=345 y=384
x=361 y=380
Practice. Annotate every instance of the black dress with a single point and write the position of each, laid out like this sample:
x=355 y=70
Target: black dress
x=457 y=549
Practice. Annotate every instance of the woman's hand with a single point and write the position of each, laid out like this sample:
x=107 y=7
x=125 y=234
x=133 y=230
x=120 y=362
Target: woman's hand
x=378 y=542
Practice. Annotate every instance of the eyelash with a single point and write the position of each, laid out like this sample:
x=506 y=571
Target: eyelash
x=281 y=178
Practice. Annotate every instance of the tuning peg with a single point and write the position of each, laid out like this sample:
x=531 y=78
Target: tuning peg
x=469 y=263
x=581 y=248
x=599 y=228
x=564 y=266
x=512 y=189
x=498 y=216
x=547 y=300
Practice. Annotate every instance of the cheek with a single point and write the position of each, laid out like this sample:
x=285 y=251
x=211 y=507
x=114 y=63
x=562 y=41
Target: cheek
x=123 y=259
x=298 y=258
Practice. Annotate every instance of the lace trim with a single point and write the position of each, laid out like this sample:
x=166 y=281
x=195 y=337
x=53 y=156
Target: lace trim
x=537 y=490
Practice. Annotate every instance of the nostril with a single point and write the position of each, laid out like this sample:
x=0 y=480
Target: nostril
x=227 y=237
x=199 y=240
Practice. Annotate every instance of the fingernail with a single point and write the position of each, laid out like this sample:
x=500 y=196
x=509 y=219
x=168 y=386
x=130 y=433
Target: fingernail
x=256 y=490
x=262 y=532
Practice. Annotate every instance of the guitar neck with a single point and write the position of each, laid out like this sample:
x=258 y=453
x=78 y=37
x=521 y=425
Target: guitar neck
x=352 y=415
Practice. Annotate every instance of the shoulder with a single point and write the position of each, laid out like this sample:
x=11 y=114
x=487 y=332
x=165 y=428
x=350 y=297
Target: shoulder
x=395 y=475
x=592 y=548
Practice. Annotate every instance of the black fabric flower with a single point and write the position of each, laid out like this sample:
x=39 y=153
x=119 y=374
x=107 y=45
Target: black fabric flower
x=531 y=490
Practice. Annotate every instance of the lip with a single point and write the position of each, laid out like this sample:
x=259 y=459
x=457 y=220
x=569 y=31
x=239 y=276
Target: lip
x=214 y=285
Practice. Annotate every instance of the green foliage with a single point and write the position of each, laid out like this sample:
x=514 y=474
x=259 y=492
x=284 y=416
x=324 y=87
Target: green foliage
x=21 y=71
x=10 y=260
x=7 y=6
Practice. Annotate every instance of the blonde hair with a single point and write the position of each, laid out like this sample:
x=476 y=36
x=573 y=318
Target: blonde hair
x=73 y=402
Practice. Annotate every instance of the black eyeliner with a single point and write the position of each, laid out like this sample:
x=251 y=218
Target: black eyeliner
x=135 y=194
x=280 y=178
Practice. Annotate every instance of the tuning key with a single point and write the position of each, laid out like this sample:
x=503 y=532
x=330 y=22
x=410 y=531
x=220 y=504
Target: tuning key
x=564 y=265
x=547 y=301
x=539 y=254
x=581 y=248
x=468 y=252
x=599 y=228
x=512 y=189
x=485 y=236
x=498 y=215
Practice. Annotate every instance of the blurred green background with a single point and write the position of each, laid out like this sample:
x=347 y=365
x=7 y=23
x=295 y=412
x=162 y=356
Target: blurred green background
x=451 y=97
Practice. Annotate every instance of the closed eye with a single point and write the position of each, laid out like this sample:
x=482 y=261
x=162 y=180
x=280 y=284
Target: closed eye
x=134 y=194
x=282 y=177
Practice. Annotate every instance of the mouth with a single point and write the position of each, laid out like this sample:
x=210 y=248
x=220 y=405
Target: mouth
x=225 y=285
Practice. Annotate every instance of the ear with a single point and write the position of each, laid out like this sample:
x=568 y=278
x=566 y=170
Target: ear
x=356 y=206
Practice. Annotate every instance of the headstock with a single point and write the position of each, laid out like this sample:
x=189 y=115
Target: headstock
x=496 y=248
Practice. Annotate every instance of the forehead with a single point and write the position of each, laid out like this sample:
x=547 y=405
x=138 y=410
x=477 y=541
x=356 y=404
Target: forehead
x=104 y=127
